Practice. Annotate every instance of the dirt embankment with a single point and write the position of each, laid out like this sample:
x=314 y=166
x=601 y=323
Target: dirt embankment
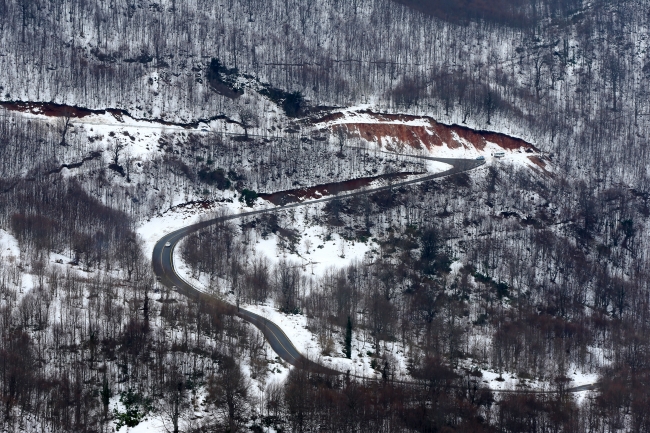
x=396 y=130
x=51 y=109
x=318 y=191
x=538 y=161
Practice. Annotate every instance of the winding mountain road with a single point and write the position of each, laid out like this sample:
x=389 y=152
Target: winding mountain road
x=163 y=264
x=163 y=260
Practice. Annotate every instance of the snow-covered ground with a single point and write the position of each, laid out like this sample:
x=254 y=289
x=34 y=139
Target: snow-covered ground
x=295 y=326
x=141 y=136
x=325 y=250
x=9 y=249
x=13 y=262
x=359 y=364
x=316 y=251
x=152 y=230
x=337 y=252
x=508 y=381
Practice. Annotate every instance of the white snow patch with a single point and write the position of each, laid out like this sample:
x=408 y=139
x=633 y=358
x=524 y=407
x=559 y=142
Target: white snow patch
x=325 y=251
x=9 y=248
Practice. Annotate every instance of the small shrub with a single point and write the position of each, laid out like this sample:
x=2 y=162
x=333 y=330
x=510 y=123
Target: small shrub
x=248 y=196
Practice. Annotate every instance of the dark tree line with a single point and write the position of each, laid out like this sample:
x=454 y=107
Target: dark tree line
x=54 y=214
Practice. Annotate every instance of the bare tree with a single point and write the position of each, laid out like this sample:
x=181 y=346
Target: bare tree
x=247 y=119
x=175 y=401
x=228 y=391
x=116 y=149
x=341 y=137
x=64 y=125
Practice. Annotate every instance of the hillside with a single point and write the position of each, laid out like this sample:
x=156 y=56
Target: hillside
x=445 y=202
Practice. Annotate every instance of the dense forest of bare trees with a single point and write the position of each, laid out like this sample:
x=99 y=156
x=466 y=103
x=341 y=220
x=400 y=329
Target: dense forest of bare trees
x=545 y=287
x=571 y=79
x=548 y=284
x=527 y=272
x=71 y=344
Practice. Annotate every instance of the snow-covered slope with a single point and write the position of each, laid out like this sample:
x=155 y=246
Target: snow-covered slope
x=399 y=132
x=423 y=135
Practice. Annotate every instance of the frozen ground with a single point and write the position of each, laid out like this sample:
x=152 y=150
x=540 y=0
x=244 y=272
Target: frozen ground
x=106 y=122
x=13 y=264
x=325 y=250
x=509 y=381
x=316 y=251
x=155 y=228
x=185 y=214
x=9 y=250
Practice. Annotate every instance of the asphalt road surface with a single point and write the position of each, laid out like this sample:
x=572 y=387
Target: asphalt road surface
x=163 y=265
x=163 y=262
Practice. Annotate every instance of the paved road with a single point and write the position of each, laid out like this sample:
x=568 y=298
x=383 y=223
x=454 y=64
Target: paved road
x=163 y=262
x=163 y=266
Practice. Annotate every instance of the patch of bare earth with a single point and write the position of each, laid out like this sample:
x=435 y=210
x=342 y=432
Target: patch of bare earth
x=54 y=110
x=394 y=132
x=539 y=162
x=318 y=191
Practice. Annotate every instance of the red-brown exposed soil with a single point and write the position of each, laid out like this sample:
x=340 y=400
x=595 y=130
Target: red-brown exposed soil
x=57 y=110
x=507 y=142
x=538 y=161
x=318 y=191
x=50 y=109
x=389 y=133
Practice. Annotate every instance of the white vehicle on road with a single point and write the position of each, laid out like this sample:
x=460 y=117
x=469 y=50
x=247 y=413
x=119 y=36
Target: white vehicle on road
x=168 y=244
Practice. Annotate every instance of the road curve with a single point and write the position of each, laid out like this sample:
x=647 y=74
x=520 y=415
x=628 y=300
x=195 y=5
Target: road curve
x=163 y=262
x=163 y=267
